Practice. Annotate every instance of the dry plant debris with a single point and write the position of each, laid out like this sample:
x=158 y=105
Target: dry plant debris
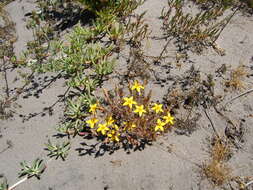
x=216 y=169
x=237 y=76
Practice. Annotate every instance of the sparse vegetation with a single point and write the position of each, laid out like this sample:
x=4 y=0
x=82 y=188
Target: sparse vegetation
x=35 y=169
x=58 y=150
x=3 y=183
x=82 y=41
x=225 y=4
x=188 y=95
x=193 y=32
x=236 y=79
x=216 y=168
x=7 y=38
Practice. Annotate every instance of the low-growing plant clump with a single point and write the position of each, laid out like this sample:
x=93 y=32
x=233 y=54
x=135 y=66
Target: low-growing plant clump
x=236 y=79
x=216 y=169
x=7 y=58
x=193 y=32
x=128 y=120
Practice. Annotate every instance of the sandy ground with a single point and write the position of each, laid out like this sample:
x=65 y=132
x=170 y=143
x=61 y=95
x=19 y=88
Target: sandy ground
x=171 y=163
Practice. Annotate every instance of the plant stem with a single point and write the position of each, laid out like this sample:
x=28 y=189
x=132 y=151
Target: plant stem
x=228 y=21
x=18 y=183
x=249 y=183
x=6 y=80
x=27 y=177
x=240 y=95
x=214 y=129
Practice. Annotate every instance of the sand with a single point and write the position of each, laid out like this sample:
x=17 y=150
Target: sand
x=171 y=163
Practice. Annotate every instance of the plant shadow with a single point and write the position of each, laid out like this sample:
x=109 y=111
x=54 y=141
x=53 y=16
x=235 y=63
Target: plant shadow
x=99 y=148
x=62 y=18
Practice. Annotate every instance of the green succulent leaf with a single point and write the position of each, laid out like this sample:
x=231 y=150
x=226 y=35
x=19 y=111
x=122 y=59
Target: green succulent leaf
x=36 y=169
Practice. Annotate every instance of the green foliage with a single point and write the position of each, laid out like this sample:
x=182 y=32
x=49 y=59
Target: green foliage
x=67 y=127
x=83 y=83
x=73 y=58
x=104 y=68
x=195 y=32
x=96 y=5
x=224 y=4
x=115 y=31
x=84 y=59
x=76 y=112
x=4 y=184
x=36 y=169
x=137 y=29
x=58 y=150
x=114 y=7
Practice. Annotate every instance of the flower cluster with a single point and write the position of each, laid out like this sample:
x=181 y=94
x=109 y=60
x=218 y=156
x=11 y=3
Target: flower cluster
x=157 y=108
x=130 y=118
x=107 y=128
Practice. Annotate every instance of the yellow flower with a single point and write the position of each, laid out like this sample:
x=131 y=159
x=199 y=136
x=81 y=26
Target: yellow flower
x=102 y=128
x=137 y=86
x=92 y=122
x=157 y=108
x=132 y=126
x=116 y=127
x=93 y=108
x=113 y=136
x=168 y=118
x=129 y=102
x=109 y=121
x=140 y=110
x=159 y=125
x=125 y=125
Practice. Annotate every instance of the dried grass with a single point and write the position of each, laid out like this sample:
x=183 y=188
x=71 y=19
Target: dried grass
x=216 y=170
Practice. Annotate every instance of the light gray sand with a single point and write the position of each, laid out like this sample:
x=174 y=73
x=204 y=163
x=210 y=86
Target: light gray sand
x=154 y=167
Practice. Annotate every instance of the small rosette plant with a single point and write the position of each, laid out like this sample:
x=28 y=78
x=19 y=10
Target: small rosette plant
x=131 y=119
